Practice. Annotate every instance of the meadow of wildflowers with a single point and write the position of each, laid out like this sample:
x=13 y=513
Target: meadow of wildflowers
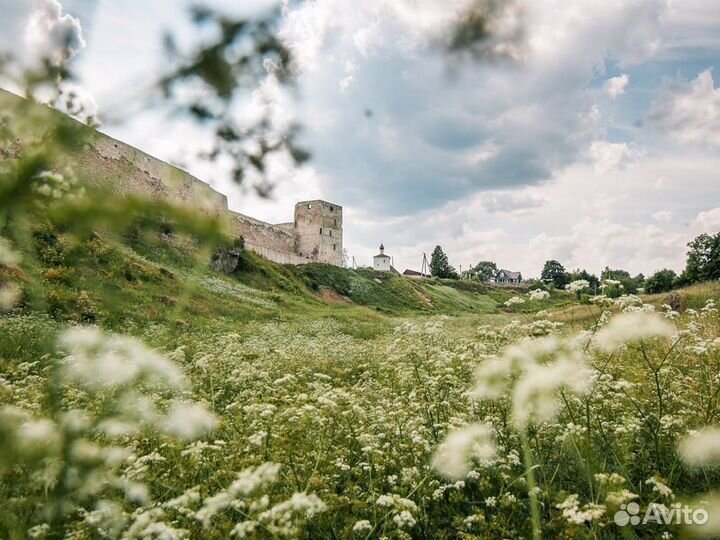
x=435 y=427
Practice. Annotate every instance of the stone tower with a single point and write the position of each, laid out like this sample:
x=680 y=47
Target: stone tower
x=318 y=231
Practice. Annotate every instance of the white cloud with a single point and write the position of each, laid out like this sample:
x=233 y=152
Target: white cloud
x=514 y=202
x=76 y=101
x=708 y=221
x=690 y=112
x=616 y=85
x=52 y=34
x=607 y=156
x=490 y=127
x=662 y=216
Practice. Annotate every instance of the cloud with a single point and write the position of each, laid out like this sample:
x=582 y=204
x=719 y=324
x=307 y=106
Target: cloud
x=442 y=130
x=74 y=100
x=51 y=34
x=616 y=85
x=662 y=216
x=607 y=156
x=708 y=221
x=689 y=111
x=510 y=202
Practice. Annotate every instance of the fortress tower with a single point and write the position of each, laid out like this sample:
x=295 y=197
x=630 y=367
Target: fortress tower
x=318 y=231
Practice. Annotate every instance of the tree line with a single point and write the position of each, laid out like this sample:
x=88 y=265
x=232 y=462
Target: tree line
x=703 y=264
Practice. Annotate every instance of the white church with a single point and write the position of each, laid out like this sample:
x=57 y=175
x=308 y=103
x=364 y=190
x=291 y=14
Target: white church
x=382 y=262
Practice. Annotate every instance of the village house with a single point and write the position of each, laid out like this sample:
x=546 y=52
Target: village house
x=413 y=274
x=506 y=277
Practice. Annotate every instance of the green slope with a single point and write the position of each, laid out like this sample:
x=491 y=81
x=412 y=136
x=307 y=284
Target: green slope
x=146 y=276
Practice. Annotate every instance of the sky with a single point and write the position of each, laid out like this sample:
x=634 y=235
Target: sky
x=588 y=132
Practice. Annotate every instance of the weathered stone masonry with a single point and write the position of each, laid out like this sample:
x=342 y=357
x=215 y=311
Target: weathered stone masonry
x=315 y=235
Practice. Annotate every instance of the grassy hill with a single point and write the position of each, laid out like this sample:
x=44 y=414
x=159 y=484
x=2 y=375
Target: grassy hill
x=149 y=275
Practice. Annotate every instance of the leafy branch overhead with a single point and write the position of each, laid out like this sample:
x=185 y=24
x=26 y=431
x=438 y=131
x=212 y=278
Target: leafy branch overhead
x=244 y=54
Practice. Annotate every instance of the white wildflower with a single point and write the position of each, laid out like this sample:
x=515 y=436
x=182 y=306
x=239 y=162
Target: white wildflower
x=491 y=379
x=514 y=300
x=616 y=498
x=362 y=526
x=455 y=455
x=601 y=300
x=578 y=285
x=38 y=434
x=701 y=448
x=535 y=392
x=9 y=296
x=660 y=487
x=385 y=500
x=572 y=512
x=188 y=420
x=257 y=439
x=246 y=483
x=8 y=256
x=99 y=360
x=39 y=531
x=538 y=294
x=631 y=327
x=404 y=520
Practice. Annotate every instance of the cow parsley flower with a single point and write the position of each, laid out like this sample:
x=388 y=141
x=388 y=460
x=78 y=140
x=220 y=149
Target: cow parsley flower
x=188 y=420
x=9 y=296
x=8 y=256
x=660 y=487
x=538 y=294
x=362 y=526
x=701 y=448
x=98 y=360
x=404 y=520
x=572 y=512
x=535 y=392
x=246 y=483
x=492 y=378
x=628 y=327
x=578 y=285
x=455 y=455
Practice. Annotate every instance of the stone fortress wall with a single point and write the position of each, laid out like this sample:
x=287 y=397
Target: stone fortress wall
x=315 y=235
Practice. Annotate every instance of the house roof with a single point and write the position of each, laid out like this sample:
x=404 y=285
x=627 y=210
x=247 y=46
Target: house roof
x=409 y=272
x=511 y=275
x=381 y=255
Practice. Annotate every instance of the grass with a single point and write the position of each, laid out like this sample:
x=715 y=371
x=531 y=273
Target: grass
x=349 y=381
x=143 y=276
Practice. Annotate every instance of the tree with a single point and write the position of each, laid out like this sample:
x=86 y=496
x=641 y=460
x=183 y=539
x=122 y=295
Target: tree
x=440 y=266
x=630 y=285
x=554 y=272
x=703 y=262
x=484 y=271
x=661 y=281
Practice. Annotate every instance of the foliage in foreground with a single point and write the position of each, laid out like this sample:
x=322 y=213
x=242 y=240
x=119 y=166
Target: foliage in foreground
x=317 y=434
